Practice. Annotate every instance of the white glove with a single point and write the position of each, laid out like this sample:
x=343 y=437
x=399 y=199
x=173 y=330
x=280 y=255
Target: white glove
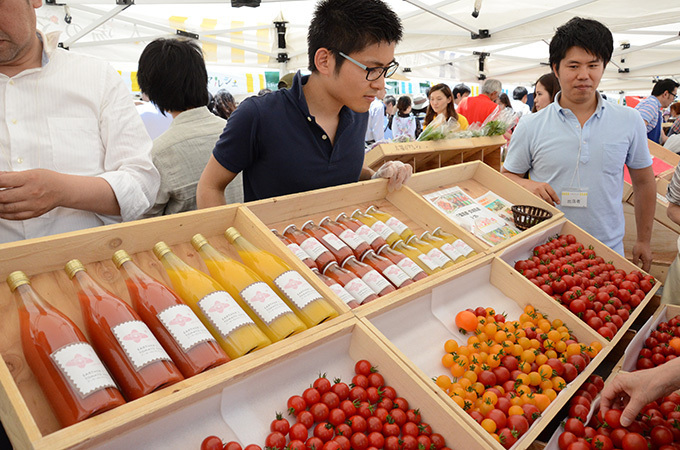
x=396 y=172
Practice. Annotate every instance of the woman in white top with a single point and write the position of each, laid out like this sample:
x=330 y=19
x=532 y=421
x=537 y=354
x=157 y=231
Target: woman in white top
x=441 y=102
x=405 y=123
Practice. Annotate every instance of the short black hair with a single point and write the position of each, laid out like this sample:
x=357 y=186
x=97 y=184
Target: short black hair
x=588 y=34
x=664 y=85
x=519 y=93
x=403 y=103
x=172 y=73
x=390 y=99
x=350 y=26
x=460 y=89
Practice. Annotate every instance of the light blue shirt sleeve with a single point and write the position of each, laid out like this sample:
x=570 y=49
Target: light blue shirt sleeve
x=638 y=154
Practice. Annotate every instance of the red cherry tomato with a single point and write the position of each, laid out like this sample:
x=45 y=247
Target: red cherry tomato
x=212 y=443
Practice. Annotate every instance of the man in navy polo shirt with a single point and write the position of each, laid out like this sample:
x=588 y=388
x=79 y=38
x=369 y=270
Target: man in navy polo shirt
x=312 y=135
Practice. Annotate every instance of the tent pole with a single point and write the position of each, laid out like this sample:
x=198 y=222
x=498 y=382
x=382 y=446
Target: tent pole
x=94 y=24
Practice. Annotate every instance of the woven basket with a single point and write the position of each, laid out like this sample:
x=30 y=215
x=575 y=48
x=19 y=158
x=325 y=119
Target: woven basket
x=526 y=216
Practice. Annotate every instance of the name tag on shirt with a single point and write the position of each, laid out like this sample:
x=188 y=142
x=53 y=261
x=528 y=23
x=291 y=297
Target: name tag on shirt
x=575 y=197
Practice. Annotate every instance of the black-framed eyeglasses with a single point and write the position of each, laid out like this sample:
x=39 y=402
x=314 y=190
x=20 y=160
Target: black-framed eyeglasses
x=373 y=73
x=674 y=95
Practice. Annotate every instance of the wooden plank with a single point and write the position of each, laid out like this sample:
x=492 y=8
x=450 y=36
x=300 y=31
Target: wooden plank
x=661 y=211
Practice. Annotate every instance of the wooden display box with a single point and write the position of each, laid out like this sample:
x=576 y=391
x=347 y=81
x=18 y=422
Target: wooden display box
x=524 y=248
x=404 y=204
x=429 y=155
x=476 y=179
x=416 y=326
x=25 y=413
x=662 y=314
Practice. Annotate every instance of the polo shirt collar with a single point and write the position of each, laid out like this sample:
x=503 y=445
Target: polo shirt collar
x=298 y=95
x=599 y=109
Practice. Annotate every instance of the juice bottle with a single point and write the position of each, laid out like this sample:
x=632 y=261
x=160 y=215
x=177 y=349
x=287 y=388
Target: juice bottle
x=233 y=329
x=136 y=359
x=391 y=271
x=417 y=257
x=358 y=245
x=362 y=231
x=339 y=249
x=310 y=245
x=297 y=251
x=368 y=275
x=302 y=298
x=457 y=243
x=378 y=226
x=448 y=249
x=264 y=306
x=406 y=264
x=433 y=252
x=361 y=292
x=70 y=373
x=175 y=325
x=337 y=288
x=401 y=229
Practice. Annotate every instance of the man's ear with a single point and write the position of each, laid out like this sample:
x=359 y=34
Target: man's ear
x=324 y=60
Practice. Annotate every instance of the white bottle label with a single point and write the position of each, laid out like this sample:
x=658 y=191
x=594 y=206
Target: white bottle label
x=333 y=241
x=264 y=302
x=184 y=327
x=376 y=281
x=139 y=344
x=368 y=235
x=351 y=239
x=313 y=247
x=451 y=251
x=223 y=312
x=462 y=247
x=438 y=257
x=395 y=275
x=382 y=229
x=427 y=261
x=412 y=269
x=83 y=369
x=359 y=290
x=342 y=293
x=396 y=224
x=297 y=289
x=297 y=251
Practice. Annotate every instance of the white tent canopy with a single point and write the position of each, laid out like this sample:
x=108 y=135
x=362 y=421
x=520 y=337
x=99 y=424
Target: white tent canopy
x=443 y=41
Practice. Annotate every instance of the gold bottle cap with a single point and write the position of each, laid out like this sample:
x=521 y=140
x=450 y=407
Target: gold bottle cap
x=356 y=212
x=289 y=227
x=120 y=257
x=394 y=245
x=366 y=253
x=160 y=249
x=309 y=223
x=231 y=234
x=381 y=249
x=328 y=266
x=434 y=232
x=324 y=219
x=341 y=215
x=16 y=279
x=425 y=235
x=371 y=208
x=72 y=267
x=408 y=241
x=198 y=241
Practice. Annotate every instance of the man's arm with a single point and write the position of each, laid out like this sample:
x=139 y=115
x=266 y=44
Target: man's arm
x=213 y=182
x=644 y=191
x=542 y=190
x=673 y=212
x=366 y=173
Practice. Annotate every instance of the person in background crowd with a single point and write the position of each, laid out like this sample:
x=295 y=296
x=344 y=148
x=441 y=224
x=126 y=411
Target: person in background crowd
x=441 y=102
x=579 y=145
x=76 y=154
x=675 y=129
x=286 y=81
x=419 y=107
x=264 y=91
x=664 y=93
x=375 y=130
x=224 y=104
x=519 y=101
x=675 y=111
x=545 y=90
x=504 y=101
x=390 y=110
x=460 y=91
x=312 y=135
x=154 y=120
x=476 y=109
x=173 y=73
x=405 y=123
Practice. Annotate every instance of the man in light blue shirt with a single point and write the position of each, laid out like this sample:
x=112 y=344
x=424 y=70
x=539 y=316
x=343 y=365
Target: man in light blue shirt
x=575 y=149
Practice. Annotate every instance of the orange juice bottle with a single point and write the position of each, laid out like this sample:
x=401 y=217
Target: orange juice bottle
x=412 y=269
x=378 y=226
x=458 y=244
x=302 y=298
x=264 y=306
x=418 y=257
x=233 y=329
x=444 y=246
x=397 y=225
x=433 y=252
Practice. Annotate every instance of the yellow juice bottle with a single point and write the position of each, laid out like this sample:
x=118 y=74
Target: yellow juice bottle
x=395 y=224
x=300 y=296
x=458 y=244
x=262 y=304
x=378 y=226
x=233 y=329
x=433 y=252
x=442 y=245
x=418 y=257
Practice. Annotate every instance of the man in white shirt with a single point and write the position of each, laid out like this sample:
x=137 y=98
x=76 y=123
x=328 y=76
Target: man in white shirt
x=73 y=151
x=519 y=101
x=375 y=131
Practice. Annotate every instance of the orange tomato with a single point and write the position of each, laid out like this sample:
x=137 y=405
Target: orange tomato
x=466 y=320
x=450 y=346
x=489 y=425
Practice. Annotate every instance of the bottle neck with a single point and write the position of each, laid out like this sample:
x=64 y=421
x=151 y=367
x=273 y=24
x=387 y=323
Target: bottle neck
x=209 y=252
x=170 y=260
x=28 y=299
x=132 y=271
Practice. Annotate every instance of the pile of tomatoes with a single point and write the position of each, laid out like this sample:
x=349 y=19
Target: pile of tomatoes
x=656 y=427
x=662 y=345
x=600 y=294
x=510 y=371
x=365 y=415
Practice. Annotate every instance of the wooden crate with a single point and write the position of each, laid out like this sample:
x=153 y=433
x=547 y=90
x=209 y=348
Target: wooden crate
x=476 y=179
x=430 y=313
x=25 y=413
x=404 y=204
x=429 y=155
x=660 y=155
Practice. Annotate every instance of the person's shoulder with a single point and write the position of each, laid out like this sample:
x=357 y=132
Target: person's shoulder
x=624 y=112
x=78 y=61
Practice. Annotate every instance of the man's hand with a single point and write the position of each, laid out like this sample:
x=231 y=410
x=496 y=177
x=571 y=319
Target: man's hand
x=30 y=193
x=542 y=190
x=642 y=253
x=396 y=172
